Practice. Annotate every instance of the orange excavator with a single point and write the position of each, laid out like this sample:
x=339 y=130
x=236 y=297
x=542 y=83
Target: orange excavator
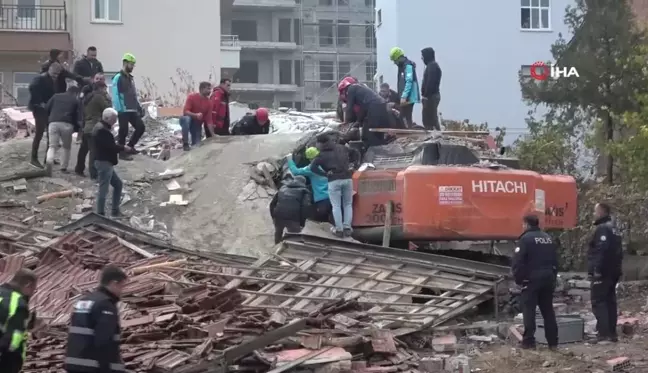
x=453 y=188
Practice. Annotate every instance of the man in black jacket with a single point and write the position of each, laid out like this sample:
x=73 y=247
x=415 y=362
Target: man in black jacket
x=106 y=158
x=63 y=117
x=58 y=56
x=371 y=112
x=605 y=257
x=290 y=207
x=41 y=90
x=88 y=65
x=337 y=161
x=535 y=267
x=389 y=95
x=253 y=124
x=93 y=338
x=94 y=103
x=16 y=318
x=430 y=93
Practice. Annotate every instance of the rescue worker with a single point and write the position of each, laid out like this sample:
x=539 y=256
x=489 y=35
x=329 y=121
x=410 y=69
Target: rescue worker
x=371 y=110
x=253 y=124
x=336 y=161
x=290 y=207
x=341 y=105
x=220 y=107
x=41 y=90
x=196 y=113
x=604 y=258
x=319 y=185
x=93 y=337
x=408 y=86
x=430 y=93
x=63 y=116
x=94 y=103
x=126 y=102
x=16 y=318
x=535 y=267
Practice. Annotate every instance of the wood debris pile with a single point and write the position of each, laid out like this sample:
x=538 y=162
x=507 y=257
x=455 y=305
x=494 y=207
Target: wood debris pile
x=296 y=310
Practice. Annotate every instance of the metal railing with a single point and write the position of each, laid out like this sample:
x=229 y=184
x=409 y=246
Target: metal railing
x=230 y=41
x=33 y=18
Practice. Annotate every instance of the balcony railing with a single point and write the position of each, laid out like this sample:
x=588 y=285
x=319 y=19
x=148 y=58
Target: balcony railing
x=230 y=41
x=33 y=18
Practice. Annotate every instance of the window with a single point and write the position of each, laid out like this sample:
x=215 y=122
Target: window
x=326 y=74
x=248 y=72
x=287 y=104
x=297 y=31
x=326 y=33
x=378 y=18
x=106 y=11
x=326 y=105
x=370 y=71
x=326 y=2
x=284 y=30
x=298 y=105
x=370 y=35
x=285 y=72
x=344 y=69
x=343 y=33
x=343 y=2
x=369 y=3
x=534 y=15
x=299 y=80
x=21 y=87
x=246 y=30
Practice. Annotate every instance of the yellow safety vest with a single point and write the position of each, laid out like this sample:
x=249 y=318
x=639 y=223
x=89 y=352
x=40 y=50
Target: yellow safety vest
x=18 y=337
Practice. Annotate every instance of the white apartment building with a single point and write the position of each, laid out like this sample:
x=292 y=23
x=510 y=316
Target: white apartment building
x=165 y=36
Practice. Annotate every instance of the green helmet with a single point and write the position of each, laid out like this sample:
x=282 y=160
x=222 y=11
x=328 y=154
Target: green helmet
x=128 y=57
x=396 y=53
x=311 y=153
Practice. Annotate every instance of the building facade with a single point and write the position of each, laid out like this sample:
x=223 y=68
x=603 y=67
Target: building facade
x=480 y=46
x=293 y=53
x=170 y=56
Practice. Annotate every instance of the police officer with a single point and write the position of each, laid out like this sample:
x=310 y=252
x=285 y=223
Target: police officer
x=93 y=338
x=604 y=259
x=15 y=320
x=535 y=266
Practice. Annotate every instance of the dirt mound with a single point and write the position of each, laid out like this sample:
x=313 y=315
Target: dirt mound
x=227 y=211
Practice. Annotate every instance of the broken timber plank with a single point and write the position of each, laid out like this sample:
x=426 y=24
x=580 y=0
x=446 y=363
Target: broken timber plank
x=272 y=288
x=299 y=361
x=255 y=267
x=372 y=281
x=405 y=291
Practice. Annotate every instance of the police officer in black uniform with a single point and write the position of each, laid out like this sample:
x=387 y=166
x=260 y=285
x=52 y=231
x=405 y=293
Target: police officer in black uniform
x=16 y=319
x=535 y=266
x=604 y=259
x=93 y=338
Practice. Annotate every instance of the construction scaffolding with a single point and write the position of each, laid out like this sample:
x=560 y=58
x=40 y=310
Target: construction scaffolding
x=338 y=40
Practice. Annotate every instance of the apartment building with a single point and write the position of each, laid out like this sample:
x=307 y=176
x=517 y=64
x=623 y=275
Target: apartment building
x=293 y=52
x=155 y=31
x=481 y=47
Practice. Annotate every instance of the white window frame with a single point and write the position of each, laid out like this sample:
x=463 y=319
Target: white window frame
x=378 y=17
x=540 y=9
x=106 y=6
x=16 y=86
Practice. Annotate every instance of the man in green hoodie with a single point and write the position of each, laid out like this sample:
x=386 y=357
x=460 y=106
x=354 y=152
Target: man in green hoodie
x=319 y=185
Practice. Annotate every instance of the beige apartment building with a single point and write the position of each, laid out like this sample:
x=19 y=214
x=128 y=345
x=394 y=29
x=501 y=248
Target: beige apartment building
x=170 y=41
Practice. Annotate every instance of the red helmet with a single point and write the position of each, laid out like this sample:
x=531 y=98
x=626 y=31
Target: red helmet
x=345 y=83
x=262 y=115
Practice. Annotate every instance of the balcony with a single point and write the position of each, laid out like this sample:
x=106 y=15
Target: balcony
x=268 y=46
x=263 y=87
x=230 y=52
x=265 y=4
x=33 y=28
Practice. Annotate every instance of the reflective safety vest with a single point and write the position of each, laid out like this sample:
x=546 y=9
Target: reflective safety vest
x=9 y=302
x=82 y=354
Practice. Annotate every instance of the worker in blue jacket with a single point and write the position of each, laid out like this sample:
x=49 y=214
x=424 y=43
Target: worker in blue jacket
x=319 y=185
x=408 y=85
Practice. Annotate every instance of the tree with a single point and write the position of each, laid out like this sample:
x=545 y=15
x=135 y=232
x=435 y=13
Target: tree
x=631 y=150
x=608 y=52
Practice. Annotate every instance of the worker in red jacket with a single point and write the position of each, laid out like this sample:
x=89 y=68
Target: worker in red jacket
x=220 y=107
x=196 y=114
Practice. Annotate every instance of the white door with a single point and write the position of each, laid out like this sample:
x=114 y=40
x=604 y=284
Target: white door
x=27 y=15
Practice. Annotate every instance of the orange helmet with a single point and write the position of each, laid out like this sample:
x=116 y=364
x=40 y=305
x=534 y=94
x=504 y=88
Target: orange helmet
x=262 y=115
